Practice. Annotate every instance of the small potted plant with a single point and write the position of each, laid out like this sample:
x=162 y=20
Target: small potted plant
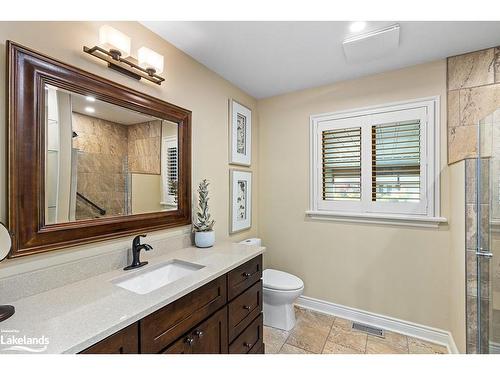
x=204 y=235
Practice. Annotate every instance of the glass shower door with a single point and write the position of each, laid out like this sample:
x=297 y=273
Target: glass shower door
x=488 y=234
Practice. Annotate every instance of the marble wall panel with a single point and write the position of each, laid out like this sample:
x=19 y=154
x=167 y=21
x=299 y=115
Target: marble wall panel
x=144 y=147
x=473 y=94
x=471 y=69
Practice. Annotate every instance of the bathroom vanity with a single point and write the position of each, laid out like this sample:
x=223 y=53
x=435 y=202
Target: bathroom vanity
x=214 y=309
x=223 y=316
x=91 y=160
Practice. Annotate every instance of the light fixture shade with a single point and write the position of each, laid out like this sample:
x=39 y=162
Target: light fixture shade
x=149 y=59
x=112 y=39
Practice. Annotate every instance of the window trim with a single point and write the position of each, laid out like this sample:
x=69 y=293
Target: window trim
x=432 y=217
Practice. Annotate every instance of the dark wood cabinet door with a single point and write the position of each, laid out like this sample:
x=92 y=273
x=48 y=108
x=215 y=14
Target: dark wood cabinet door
x=160 y=329
x=250 y=340
x=179 y=347
x=243 y=277
x=125 y=341
x=209 y=337
x=244 y=309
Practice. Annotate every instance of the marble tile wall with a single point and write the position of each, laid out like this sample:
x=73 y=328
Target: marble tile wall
x=473 y=93
x=144 y=147
x=102 y=156
x=475 y=302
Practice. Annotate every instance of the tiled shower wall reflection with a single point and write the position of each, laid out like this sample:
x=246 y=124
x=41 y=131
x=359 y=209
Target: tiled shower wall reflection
x=473 y=263
x=101 y=165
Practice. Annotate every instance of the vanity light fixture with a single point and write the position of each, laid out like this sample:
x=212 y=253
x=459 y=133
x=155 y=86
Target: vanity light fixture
x=90 y=109
x=114 y=48
x=150 y=60
x=90 y=99
x=116 y=42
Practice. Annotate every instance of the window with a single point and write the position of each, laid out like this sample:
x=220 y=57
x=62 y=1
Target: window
x=169 y=171
x=377 y=163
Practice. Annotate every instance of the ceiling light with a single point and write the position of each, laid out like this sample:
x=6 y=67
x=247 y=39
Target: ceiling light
x=115 y=41
x=357 y=26
x=90 y=98
x=150 y=60
x=89 y=109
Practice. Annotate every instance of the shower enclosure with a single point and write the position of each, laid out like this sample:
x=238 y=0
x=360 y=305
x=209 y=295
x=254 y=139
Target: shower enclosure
x=484 y=311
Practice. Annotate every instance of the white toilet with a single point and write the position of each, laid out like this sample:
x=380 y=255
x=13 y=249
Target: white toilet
x=281 y=289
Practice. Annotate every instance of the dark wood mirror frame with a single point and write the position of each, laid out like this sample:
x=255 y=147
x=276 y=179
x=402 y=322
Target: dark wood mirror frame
x=28 y=72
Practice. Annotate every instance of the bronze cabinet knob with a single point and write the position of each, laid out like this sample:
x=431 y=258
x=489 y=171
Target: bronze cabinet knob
x=198 y=333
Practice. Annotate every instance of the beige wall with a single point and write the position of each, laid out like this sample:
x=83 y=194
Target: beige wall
x=188 y=84
x=396 y=271
x=457 y=255
x=145 y=193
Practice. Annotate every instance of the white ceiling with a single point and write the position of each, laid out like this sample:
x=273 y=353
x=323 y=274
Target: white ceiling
x=271 y=58
x=108 y=111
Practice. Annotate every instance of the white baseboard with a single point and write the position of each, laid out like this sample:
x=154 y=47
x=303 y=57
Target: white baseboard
x=430 y=334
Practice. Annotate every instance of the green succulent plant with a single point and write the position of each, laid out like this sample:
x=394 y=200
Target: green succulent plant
x=203 y=222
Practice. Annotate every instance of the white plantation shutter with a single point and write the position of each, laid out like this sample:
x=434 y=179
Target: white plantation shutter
x=169 y=170
x=172 y=171
x=341 y=150
x=396 y=162
x=377 y=163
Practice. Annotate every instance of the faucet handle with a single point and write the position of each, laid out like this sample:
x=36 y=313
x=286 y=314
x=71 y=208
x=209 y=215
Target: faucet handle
x=137 y=240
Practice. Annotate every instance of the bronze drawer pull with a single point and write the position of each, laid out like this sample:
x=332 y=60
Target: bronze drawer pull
x=198 y=333
x=246 y=275
x=246 y=345
x=189 y=341
x=247 y=307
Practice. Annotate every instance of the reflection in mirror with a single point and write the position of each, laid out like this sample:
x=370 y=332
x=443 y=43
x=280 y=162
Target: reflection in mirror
x=104 y=160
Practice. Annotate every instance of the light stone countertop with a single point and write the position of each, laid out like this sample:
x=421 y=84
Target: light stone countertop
x=76 y=316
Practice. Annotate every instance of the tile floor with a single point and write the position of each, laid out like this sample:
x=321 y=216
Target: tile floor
x=316 y=333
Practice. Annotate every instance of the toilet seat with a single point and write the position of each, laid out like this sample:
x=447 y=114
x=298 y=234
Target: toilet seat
x=279 y=280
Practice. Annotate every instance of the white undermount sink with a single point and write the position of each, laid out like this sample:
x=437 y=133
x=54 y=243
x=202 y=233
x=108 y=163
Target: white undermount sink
x=154 y=277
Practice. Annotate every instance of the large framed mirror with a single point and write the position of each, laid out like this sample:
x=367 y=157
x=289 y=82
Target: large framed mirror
x=90 y=159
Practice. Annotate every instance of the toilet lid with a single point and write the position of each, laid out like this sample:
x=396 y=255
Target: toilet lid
x=274 y=279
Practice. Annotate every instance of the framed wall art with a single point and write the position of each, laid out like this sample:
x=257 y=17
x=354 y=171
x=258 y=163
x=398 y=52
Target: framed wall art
x=240 y=134
x=241 y=200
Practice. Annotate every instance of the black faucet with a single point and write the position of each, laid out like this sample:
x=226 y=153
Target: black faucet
x=136 y=249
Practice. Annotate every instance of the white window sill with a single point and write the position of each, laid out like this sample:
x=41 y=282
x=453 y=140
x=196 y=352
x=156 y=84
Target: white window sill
x=370 y=218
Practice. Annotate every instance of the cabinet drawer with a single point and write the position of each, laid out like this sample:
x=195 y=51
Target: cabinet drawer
x=209 y=337
x=164 y=326
x=250 y=340
x=244 y=276
x=244 y=309
x=125 y=341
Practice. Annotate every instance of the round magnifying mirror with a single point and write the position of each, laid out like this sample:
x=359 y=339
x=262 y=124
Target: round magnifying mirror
x=5 y=241
x=6 y=311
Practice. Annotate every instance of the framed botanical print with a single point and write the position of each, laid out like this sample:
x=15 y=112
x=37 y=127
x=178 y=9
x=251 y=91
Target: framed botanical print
x=241 y=200
x=240 y=134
